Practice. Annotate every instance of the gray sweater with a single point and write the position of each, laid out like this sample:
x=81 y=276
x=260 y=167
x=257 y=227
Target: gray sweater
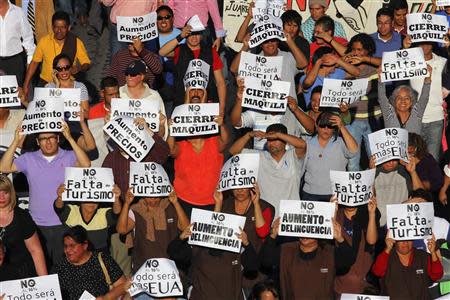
x=414 y=123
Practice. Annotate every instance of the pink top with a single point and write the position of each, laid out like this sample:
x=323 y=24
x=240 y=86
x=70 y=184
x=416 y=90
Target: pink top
x=130 y=8
x=183 y=10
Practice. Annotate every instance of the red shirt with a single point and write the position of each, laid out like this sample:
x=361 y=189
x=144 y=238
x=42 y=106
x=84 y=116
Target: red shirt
x=314 y=46
x=217 y=63
x=97 y=111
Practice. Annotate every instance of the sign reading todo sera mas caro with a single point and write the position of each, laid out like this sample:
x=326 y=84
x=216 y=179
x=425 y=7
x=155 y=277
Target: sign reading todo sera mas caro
x=352 y=188
x=43 y=116
x=143 y=27
x=412 y=221
x=42 y=287
x=216 y=230
x=88 y=185
x=9 y=92
x=149 y=180
x=388 y=144
x=265 y=95
x=194 y=119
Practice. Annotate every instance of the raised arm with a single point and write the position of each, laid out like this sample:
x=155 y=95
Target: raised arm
x=172 y=44
x=298 y=143
x=349 y=140
x=183 y=220
x=7 y=162
x=300 y=59
x=34 y=247
x=82 y=158
x=224 y=137
x=306 y=121
x=235 y=116
x=240 y=143
x=124 y=223
x=240 y=35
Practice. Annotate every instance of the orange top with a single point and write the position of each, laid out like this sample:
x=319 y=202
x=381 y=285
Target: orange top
x=97 y=111
x=197 y=174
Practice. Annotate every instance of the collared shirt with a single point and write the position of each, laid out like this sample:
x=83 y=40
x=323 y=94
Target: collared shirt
x=393 y=44
x=129 y=8
x=15 y=33
x=308 y=29
x=48 y=48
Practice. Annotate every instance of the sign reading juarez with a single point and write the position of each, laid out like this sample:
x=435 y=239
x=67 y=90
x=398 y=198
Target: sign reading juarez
x=134 y=108
x=9 y=92
x=144 y=27
x=412 y=221
x=266 y=95
x=194 y=119
x=389 y=143
x=43 y=116
x=88 y=185
x=149 y=180
x=240 y=171
x=352 y=188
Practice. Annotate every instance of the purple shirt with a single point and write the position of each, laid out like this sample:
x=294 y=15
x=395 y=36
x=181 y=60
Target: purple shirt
x=43 y=179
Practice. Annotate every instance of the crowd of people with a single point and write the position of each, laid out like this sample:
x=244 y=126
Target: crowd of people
x=98 y=247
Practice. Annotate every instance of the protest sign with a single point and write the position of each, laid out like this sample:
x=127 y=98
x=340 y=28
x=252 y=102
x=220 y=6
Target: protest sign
x=216 y=230
x=133 y=139
x=88 y=185
x=43 y=287
x=262 y=67
x=240 y=171
x=424 y=27
x=149 y=180
x=196 y=24
x=265 y=95
x=442 y=2
x=43 y=116
x=157 y=277
x=337 y=91
x=352 y=188
x=197 y=75
x=310 y=219
x=388 y=144
x=412 y=221
x=70 y=97
x=403 y=64
x=265 y=31
x=86 y=296
x=362 y=297
x=137 y=108
x=144 y=27
x=264 y=10
x=194 y=119
x=9 y=91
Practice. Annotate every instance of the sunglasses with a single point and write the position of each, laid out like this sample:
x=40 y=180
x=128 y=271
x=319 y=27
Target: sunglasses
x=62 y=68
x=327 y=126
x=131 y=75
x=168 y=17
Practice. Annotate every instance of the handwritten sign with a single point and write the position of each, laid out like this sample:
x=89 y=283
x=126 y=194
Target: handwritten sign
x=265 y=95
x=194 y=119
x=388 y=144
x=88 y=185
x=9 y=91
x=149 y=180
x=337 y=91
x=352 y=188
x=137 y=108
x=261 y=67
x=423 y=27
x=197 y=75
x=403 y=64
x=42 y=287
x=43 y=116
x=413 y=221
x=144 y=27
x=240 y=171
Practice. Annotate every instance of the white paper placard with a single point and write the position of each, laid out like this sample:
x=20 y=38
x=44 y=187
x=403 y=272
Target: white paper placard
x=309 y=219
x=265 y=31
x=42 y=287
x=43 y=116
x=424 y=27
x=337 y=91
x=196 y=24
x=86 y=296
x=265 y=95
x=403 y=64
x=197 y=75
x=442 y=3
x=134 y=140
x=157 y=277
x=143 y=27
x=388 y=144
x=413 y=221
x=149 y=180
x=194 y=119
x=352 y=188
x=9 y=91
x=70 y=97
x=88 y=185
x=265 y=9
x=216 y=230
x=362 y=297
x=137 y=108
x=257 y=66
x=239 y=171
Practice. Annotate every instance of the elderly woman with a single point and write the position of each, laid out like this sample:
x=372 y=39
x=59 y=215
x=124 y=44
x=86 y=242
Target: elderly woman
x=402 y=109
x=19 y=236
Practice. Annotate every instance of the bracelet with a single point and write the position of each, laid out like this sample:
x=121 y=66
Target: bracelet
x=179 y=38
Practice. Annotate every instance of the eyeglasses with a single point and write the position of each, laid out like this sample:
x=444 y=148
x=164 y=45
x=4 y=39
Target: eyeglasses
x=51 y=138
x=62 y=68
x=160 y=18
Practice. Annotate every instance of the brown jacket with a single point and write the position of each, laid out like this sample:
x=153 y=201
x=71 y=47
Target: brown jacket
x=43 y=12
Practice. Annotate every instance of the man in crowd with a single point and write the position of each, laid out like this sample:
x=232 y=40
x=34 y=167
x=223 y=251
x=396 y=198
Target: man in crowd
x=400 y=8
x=109 y=88
x=386 y=39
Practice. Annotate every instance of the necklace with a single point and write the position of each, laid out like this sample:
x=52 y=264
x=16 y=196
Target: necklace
x=2 y=233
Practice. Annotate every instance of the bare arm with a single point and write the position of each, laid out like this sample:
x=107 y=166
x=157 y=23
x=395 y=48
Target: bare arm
x=172 y=44
x=34 y=247
x=221 y=90
x=32 y=67
x=174 y=149
x=117 y=205
x=86 y=141
x=183 y=220
x=235 y=116
x=244 y=26
x=7 y=162
x=224 y=134
x=296 y=142
x=239 y=145
x=306 y=121
x=349 y=140
x=300 y=59
x=312 y=75
x=82 y=158
x=124 y=223
x=372 y=230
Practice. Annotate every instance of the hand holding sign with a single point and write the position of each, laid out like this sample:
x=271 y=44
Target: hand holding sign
x=337 y=231
x=243 y=237
x=390 y=242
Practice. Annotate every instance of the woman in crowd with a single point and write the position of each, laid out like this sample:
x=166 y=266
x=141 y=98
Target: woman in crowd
x=19 y=237
x=326 y=151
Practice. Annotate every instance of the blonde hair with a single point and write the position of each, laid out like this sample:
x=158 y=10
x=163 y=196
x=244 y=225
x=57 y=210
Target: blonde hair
x=7 y=186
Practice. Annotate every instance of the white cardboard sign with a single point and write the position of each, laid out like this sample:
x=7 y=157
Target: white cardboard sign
x=196 y=24
x=388 y=144
x=240 y=171
x=88 y=185
x=403 y=64
x=442 y=2
x=43 y=116
x=137 y=108
x=424 y=27
x=9 y=91
x=265 y=31
x=337 y=91
x=412 y=221
x=70 y=97
x=194 y=119
x=143 y=27
x=42 y=287
x=86 y=296
x=265 y=95
x=216 y=230
x=133 y=139
x=309 y=219
x=157 y=277
x=149 y=180
x=352 y=188
x=197 y=75
x=266 y=9
x=362 y=297
x=257 y=66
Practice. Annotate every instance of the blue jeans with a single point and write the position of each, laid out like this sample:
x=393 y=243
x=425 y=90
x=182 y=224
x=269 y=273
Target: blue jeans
x=432 y=134
x=359 y=129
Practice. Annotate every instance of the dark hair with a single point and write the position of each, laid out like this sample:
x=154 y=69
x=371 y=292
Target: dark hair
x=293 y=16
x=165 y=7
x=108 y=81
x=277 y=127
x=61 y=15
x=366 y=41
x=59 y=57
x=321 y=51
x=261 y=287
x=324 y=120
x=78 y=234
x=385 y=11
x=421 y=193
x=327 y=23
x=416 y=141
x=398 y=4
x=317 y=89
